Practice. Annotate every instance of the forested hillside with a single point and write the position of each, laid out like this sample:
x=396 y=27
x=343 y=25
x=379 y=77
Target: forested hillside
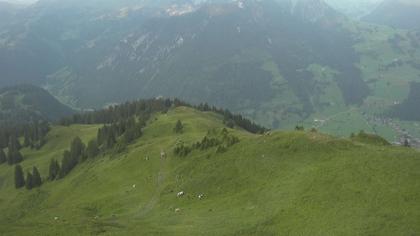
x=27 y=103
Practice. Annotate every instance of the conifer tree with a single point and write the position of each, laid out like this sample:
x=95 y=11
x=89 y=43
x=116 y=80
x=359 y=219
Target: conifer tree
x=26 y=140
x=29 y=181
x=110 y=139
x=3 y=158
x=178 y=127
x=14 y=143
x=54 y=169
x=18 y=157
x=19 y=178
x=92 y=149
x=406 y=143
x=10 y=156
x=36 y=178
x=77 y=148
x=67 y=164
x=14 y=156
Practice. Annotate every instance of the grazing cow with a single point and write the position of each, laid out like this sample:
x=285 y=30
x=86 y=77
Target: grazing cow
x=201 y=196
x=177 y=210
x=180 y=194
x=162 y=154
x=134 y=186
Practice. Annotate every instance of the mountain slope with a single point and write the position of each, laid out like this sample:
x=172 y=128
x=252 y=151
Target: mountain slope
x=24 y=103
x=283 y=183
x=403 y=14
x=148 y=50
x=280 y=63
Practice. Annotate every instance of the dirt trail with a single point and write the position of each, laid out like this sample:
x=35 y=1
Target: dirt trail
x=161 y=177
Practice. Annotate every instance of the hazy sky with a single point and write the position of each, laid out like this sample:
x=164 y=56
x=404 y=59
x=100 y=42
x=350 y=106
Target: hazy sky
x=19 y=1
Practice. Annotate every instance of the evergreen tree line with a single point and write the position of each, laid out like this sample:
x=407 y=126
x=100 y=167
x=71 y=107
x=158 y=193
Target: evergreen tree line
x=33 y=137
x=222 y=141
x=231 y=119
x=33 y=179
x=114 y=114
x=33 y=133
x=114 y=136
x=129 y=129
x=77 y=153
x=13 y=155
x=144 y=108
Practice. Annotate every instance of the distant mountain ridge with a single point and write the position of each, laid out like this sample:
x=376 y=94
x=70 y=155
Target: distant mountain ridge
x=25 y=103
x=404 y=14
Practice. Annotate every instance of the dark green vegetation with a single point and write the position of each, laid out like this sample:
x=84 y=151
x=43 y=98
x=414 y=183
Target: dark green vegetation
x=277 y=63
x=234 y=182
x=369 y=138
x=409 y=108
x=27 y=103
x=402 y=14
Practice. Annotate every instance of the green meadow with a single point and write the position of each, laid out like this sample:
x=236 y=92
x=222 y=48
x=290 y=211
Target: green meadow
x=280 y=183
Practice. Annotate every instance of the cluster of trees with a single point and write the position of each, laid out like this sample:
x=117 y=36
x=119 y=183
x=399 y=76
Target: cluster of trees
x=231 y=119
x=72 y=157
x=77 y=153
x=33 y=137
x=222 y=140
x=114 y=136
x=13 y=155
x=144 y=108
x=33 y=180
x=130 y=129
x=34 y=133
x=113 y=114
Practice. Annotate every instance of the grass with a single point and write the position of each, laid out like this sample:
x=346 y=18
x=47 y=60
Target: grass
x=286 y=183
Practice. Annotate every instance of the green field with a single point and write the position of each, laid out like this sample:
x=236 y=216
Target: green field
x=284 y=183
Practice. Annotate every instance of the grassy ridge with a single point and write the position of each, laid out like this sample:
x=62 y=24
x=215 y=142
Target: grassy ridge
x=286 y=183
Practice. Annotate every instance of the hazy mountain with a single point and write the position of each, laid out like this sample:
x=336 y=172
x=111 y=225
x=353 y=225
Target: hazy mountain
x=24 y=103
x=278 y=62
x=354 y=8
x=152 y=51
x=404 y=14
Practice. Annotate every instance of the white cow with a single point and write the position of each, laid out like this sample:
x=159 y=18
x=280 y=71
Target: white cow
x=180 y=194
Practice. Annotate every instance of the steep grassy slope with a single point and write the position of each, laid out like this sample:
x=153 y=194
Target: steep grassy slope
x=285 y=183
